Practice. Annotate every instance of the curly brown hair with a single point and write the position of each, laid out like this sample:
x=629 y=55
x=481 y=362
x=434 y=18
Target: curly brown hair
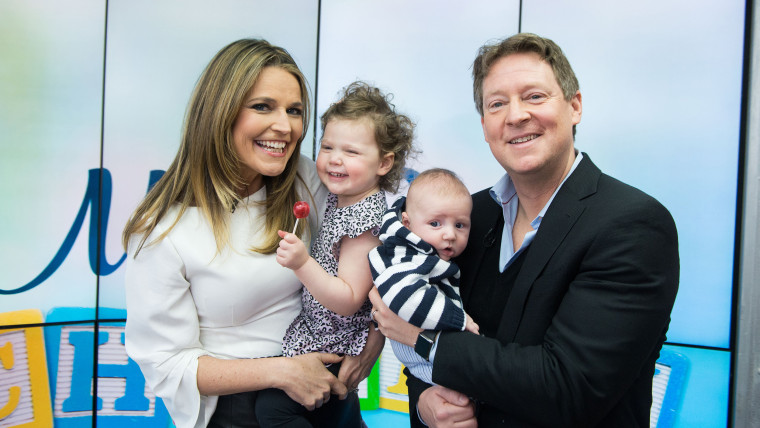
x=394 y=132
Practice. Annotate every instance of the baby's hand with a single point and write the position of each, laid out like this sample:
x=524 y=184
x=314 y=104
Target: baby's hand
x=471 y=325
x=292 y=253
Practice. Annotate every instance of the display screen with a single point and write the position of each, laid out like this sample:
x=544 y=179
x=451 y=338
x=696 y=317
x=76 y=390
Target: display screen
x=93 y=96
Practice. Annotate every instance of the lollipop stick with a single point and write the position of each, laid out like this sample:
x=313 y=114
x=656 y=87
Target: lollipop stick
x=296 y=226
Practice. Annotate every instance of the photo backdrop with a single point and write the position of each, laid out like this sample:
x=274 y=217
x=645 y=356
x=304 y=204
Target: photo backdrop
x=93 y=94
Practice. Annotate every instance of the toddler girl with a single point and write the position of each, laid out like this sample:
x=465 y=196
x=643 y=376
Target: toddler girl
x=363 y=151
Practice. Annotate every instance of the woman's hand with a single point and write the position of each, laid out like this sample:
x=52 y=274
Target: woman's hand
x=355 y=369
x=390 y=324
x=440 y=407
x=309 y=383
x=292 y=253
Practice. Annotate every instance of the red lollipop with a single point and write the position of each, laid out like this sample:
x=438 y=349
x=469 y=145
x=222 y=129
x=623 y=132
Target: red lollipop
x=301 y=210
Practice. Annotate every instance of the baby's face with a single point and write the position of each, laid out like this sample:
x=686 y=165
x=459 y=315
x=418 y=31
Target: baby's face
x=442 y=221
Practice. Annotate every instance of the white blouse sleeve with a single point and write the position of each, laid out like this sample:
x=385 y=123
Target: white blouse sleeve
x=162 y=330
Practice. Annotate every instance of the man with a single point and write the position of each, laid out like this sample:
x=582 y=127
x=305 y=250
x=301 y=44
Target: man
x=570 y=274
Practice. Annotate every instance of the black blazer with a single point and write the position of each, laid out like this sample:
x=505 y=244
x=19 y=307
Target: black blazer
x=586 y=317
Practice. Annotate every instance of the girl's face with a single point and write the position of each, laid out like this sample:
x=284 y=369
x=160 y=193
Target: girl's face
x=268 y=126
x=349 y=161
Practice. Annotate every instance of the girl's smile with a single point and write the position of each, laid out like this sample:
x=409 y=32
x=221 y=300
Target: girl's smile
x=349 y=161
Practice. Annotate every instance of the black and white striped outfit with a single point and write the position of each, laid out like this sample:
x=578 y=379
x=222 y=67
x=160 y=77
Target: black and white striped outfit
x=415 y=284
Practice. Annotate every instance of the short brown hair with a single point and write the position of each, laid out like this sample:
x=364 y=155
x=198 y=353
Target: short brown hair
x=549 y=51
x=446 y=182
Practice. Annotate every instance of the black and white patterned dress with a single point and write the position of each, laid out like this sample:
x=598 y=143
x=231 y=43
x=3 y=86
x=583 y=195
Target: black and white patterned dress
x=316 y=328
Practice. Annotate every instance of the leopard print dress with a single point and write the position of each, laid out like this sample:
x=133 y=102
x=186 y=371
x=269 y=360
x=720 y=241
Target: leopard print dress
x=316 y=328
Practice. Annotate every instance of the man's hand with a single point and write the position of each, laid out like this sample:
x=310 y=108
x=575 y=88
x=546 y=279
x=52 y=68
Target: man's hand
x=440 y=407
x=292 y=253
x=355 y=369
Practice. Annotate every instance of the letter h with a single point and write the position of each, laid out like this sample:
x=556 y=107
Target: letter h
x=80 y=398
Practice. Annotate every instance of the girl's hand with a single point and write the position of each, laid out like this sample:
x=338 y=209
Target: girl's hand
x=355 y=369
x=309 y=383
x=292 y=253
x=471 y=325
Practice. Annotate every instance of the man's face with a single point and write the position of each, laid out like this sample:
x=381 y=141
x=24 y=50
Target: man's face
x=526 y=120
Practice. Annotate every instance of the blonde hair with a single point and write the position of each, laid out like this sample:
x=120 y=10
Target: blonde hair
x=206 y=172
x=394 y=132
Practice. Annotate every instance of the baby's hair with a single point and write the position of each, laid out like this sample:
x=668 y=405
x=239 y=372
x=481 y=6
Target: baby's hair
x=446 y=182
x=394 y=132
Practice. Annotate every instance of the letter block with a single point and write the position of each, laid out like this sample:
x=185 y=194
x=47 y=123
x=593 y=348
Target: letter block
x=369 y=389
x=670 y=375
x=393 y=392
x=123 y=398
x=24 y=390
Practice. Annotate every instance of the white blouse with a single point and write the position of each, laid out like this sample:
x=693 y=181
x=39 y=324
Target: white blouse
x=184 y=300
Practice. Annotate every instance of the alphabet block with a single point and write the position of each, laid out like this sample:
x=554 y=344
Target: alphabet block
x=123 y=398
x=24 y=391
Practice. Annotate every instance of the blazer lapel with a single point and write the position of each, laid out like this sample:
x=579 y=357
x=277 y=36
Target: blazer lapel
x=490 y=219
x=564 y=211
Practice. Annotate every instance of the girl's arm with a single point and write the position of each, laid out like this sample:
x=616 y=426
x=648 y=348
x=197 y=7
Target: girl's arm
x=303 y=377
x=343 y=294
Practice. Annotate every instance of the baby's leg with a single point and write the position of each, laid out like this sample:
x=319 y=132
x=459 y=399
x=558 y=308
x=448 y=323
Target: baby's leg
x=235 y=411
x=336 y=412
x=274 y=409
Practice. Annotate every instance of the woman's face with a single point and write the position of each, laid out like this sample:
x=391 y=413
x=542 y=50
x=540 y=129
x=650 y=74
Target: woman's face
x=268 y=126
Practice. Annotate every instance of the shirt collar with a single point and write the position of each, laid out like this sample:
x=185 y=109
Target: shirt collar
x=504 y=193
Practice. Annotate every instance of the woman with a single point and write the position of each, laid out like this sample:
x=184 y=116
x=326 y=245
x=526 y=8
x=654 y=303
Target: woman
x=206 y=300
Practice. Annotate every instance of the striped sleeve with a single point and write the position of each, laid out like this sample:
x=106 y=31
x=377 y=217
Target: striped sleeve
x=421 y=288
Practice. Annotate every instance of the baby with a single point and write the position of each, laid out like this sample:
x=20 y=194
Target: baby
x=412 y=269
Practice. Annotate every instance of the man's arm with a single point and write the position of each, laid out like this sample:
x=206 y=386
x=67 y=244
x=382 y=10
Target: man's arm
x=613 y=288
x=443 y=407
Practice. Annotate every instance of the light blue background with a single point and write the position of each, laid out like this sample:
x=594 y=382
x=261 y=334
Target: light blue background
x=661 y=85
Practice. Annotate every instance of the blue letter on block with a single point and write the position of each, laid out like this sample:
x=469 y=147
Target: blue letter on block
x=80 y=398
x=134 y=393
